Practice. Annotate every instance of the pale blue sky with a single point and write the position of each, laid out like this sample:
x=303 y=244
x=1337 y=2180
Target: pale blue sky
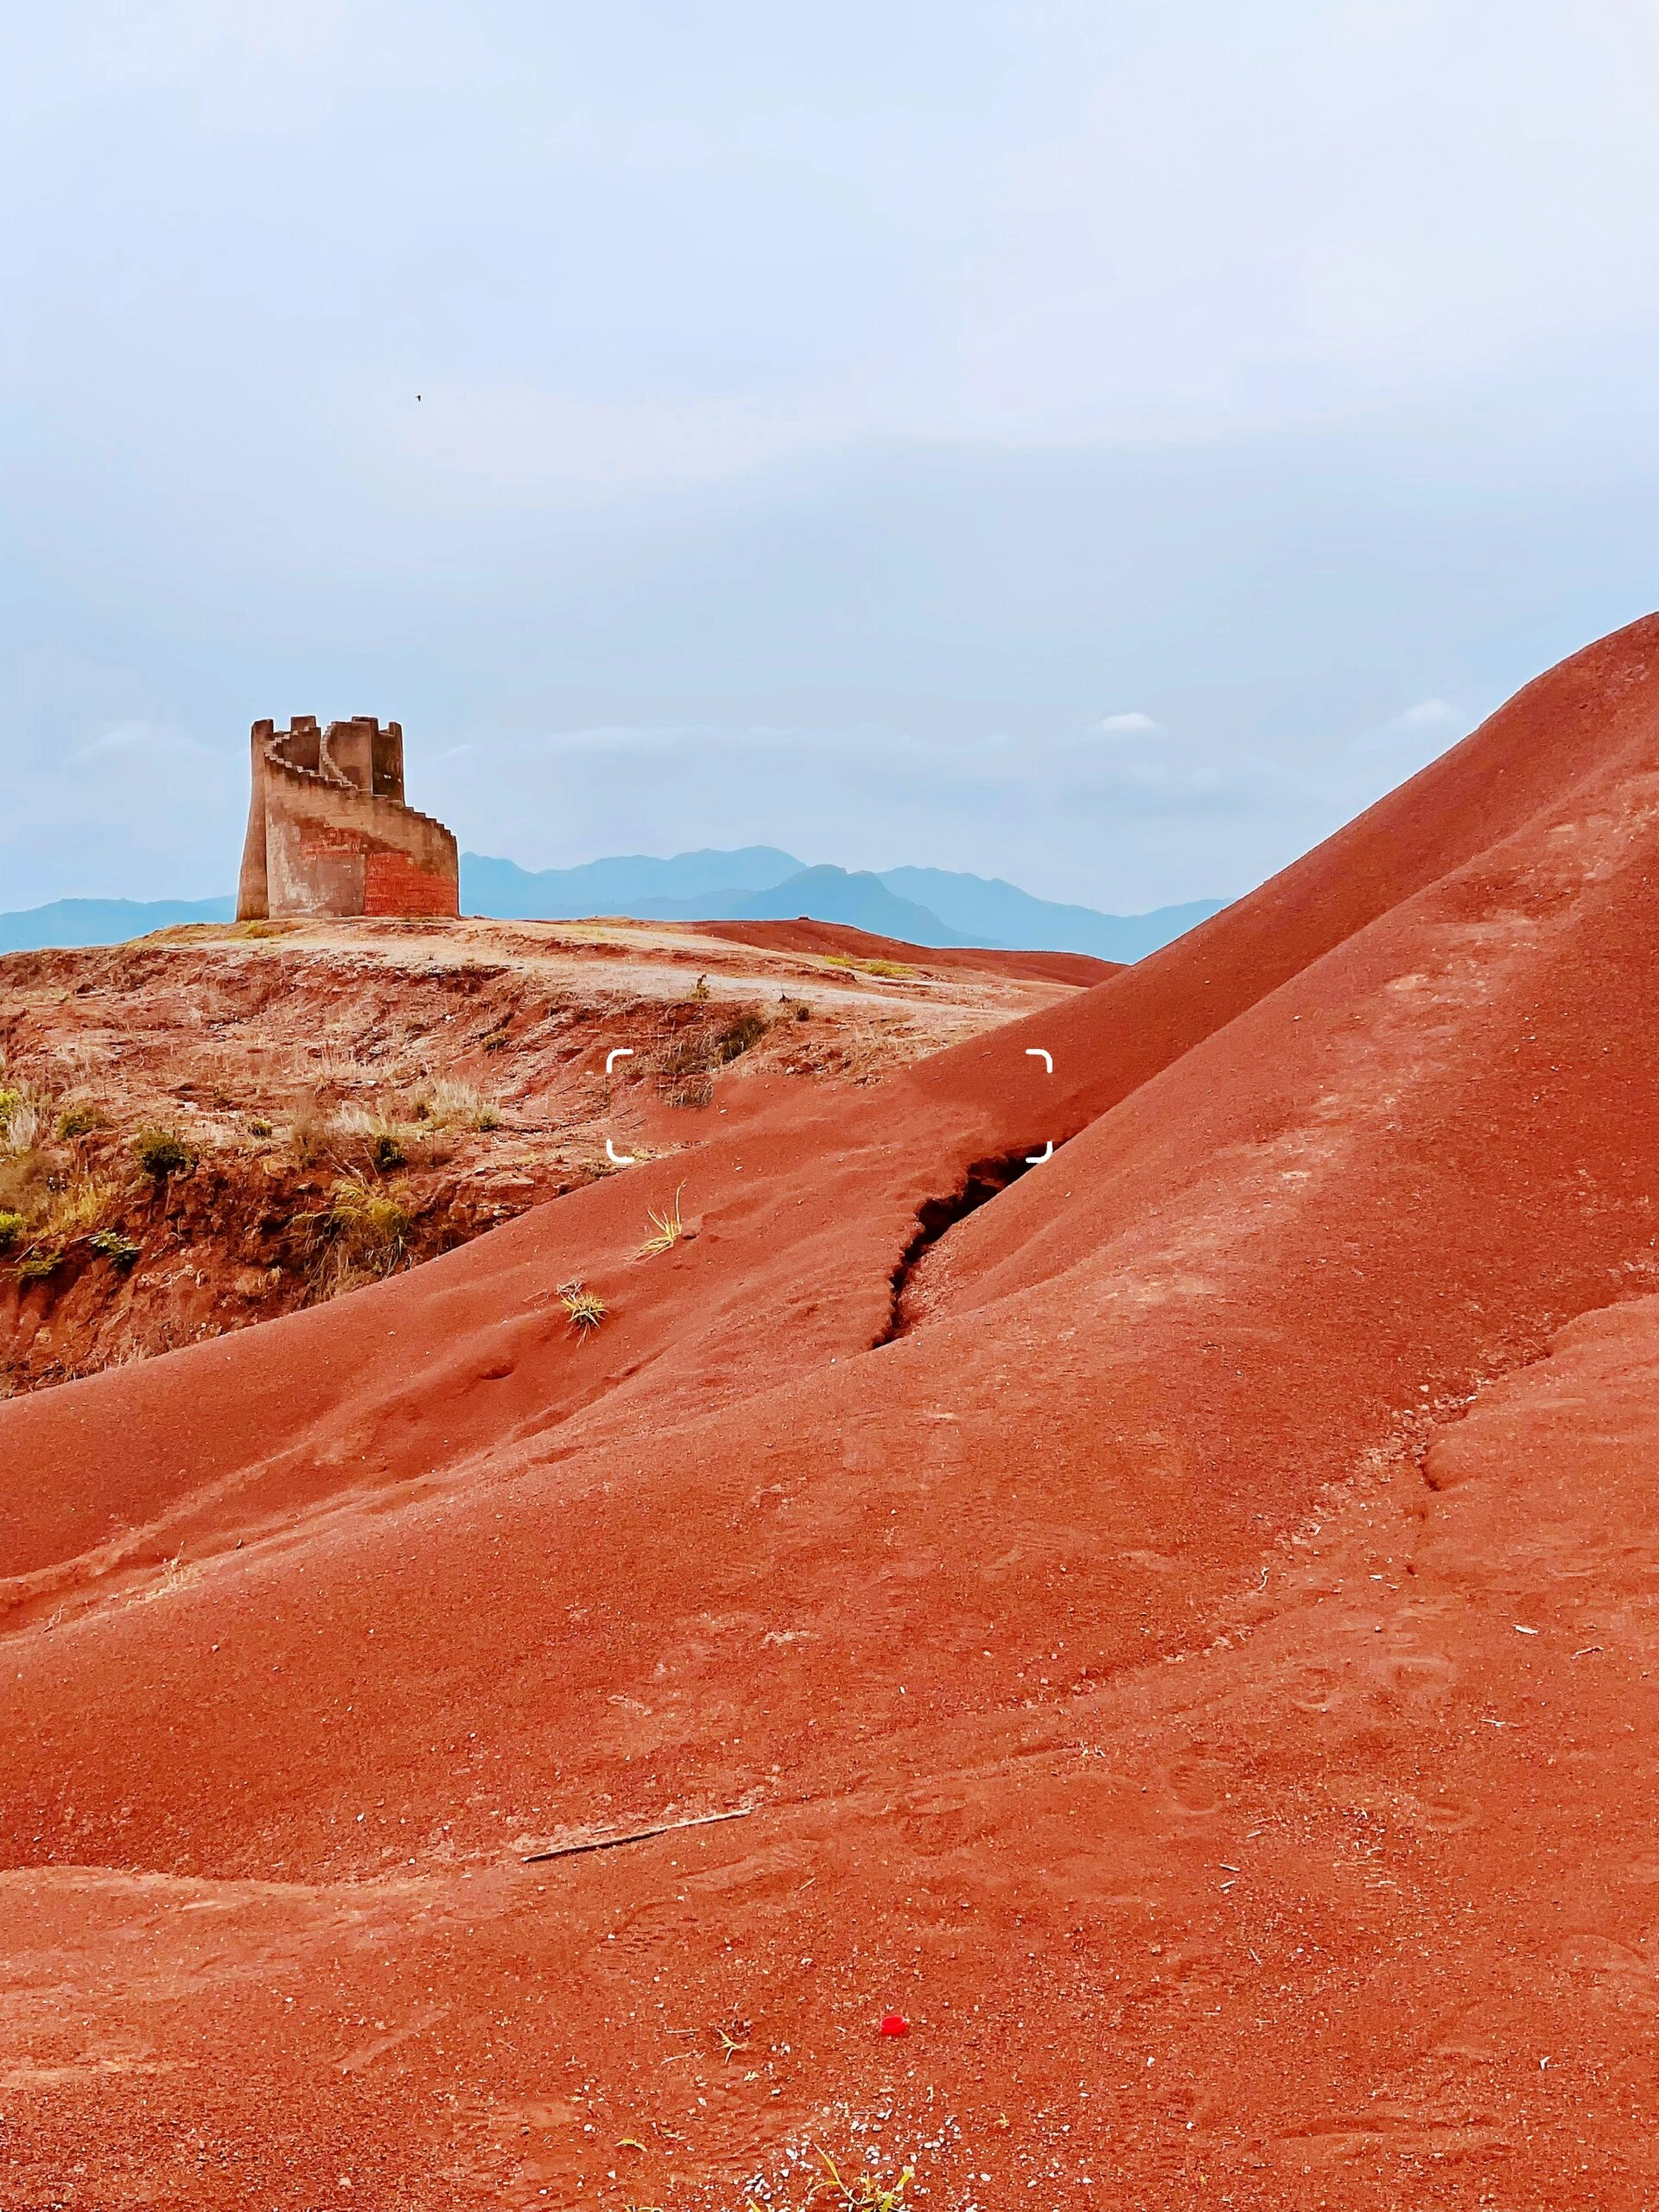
x=1099 y=445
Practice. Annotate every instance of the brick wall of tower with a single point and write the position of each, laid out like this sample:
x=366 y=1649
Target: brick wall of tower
x=393 y=885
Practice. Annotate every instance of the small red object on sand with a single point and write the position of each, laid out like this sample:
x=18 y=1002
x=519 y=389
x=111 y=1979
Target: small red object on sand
x=894 y=2023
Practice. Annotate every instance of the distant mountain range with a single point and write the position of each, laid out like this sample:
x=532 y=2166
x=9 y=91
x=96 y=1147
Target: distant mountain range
x=104 y=921
x=923 y=906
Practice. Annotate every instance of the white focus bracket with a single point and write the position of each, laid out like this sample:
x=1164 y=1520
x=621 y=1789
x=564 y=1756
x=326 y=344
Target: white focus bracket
x=1036 y=1052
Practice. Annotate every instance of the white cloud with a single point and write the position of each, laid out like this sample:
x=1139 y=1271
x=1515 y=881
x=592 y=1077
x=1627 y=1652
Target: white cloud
x=1424 y=730
x=1429 y=713
x=1133 y=724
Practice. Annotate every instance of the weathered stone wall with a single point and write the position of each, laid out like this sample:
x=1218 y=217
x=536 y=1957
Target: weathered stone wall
x=329 y=832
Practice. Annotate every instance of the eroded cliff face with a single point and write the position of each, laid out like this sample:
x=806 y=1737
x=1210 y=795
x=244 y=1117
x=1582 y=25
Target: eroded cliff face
x=330 y=832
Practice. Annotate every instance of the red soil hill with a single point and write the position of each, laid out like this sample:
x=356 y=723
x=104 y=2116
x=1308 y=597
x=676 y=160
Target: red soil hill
x=1181 y=1639
x=840 y=937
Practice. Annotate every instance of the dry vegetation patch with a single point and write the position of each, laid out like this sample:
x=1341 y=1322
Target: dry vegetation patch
x=362 y=1233
x=686 y=1063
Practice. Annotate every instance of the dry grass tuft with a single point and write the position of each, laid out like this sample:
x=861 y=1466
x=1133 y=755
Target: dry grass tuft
x=81 y=1207
x=740 y=1034
x=889 y=970
x=667 y=1227
x=388 y=1143
x=685 y=1066
x=310 y=1132
x=337 y=1063
x=863 y=2192
x=449 y=1104
x=373 y=1218
x=585 y=1308
x=684 y=1069
x=174 y=1576
x=362 y=1234
x=47 y=1218
x=26 y=1117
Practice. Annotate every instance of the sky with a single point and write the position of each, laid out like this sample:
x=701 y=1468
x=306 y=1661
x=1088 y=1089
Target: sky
x=1102 y=446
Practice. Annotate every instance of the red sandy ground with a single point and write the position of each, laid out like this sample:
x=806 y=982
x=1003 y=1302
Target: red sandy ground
x=1196 y=1670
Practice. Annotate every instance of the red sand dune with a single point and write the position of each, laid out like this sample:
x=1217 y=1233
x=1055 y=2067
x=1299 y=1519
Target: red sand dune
x=1187 y=1652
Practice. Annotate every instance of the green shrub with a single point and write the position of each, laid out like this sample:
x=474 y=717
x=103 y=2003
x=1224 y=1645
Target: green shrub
x=77 y=1119
x=11 y=1228
x=118 y=1250
x=161 y=1152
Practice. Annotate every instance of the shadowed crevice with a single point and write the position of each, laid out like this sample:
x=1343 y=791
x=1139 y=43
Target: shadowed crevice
x=981 y=1183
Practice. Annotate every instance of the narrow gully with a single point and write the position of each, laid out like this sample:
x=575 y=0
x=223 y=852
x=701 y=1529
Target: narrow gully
x=981 y=1183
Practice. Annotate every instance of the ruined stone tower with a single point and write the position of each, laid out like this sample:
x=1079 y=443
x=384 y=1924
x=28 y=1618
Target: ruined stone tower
x=329 y=833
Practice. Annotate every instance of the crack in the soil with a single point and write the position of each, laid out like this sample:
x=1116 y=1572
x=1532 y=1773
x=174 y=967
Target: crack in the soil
x=984 y=1178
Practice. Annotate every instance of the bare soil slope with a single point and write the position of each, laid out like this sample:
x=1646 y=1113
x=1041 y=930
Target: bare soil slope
x=1178 y=1631
x=216 y=1126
